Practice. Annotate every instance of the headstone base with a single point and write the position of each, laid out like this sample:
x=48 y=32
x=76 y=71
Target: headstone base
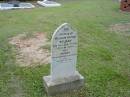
x=63 y=85
x=48 y=3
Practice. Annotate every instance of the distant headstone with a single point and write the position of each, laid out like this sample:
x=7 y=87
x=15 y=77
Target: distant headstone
x=125 y=5
x=48 y=3
x=15 y=3
x=64 y=75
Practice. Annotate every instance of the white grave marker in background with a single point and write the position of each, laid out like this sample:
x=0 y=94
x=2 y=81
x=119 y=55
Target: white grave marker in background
x=47 y=3
x=15 y=4
x=64 y=75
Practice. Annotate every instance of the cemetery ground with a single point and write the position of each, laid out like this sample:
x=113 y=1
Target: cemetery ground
x=103 y=51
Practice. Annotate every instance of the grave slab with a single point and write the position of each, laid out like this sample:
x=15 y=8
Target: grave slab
x=6 y=6
x=47 y=3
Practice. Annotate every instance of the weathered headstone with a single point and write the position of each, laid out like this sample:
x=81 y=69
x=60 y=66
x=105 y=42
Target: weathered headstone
x=48 y=3
x=64 y=75
x=125 y=5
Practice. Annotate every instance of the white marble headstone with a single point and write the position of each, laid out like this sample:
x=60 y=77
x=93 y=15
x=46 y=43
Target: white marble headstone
x=48 y=3
x=64 y=76
x=63 y=52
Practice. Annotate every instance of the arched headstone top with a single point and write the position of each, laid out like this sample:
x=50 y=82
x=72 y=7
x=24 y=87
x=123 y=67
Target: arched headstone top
x=62 y=28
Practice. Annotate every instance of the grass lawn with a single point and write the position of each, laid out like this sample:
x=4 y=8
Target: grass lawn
x=103 y=55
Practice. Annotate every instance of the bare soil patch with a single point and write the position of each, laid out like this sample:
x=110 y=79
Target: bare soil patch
x=122 y=28
x=30 y=49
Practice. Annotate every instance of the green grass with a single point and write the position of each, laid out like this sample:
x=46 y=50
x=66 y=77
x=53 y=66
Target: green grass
x=103 y=56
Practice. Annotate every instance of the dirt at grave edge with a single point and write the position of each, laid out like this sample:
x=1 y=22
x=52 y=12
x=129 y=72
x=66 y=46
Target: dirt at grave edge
x=31 y=49
x=121 y=28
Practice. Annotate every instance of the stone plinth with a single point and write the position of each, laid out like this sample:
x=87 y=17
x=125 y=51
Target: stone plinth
x=63 y=85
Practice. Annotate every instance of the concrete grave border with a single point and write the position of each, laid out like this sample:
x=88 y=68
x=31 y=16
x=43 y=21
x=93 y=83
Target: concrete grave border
x=45 y=4
x=20 y=7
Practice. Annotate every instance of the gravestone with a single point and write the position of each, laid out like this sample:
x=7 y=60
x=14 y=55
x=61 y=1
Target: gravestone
x=15 y=4
x=48 y=3
x=125 y=5
x=64 y=76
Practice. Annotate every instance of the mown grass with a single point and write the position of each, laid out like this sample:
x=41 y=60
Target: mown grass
x=103 y=56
